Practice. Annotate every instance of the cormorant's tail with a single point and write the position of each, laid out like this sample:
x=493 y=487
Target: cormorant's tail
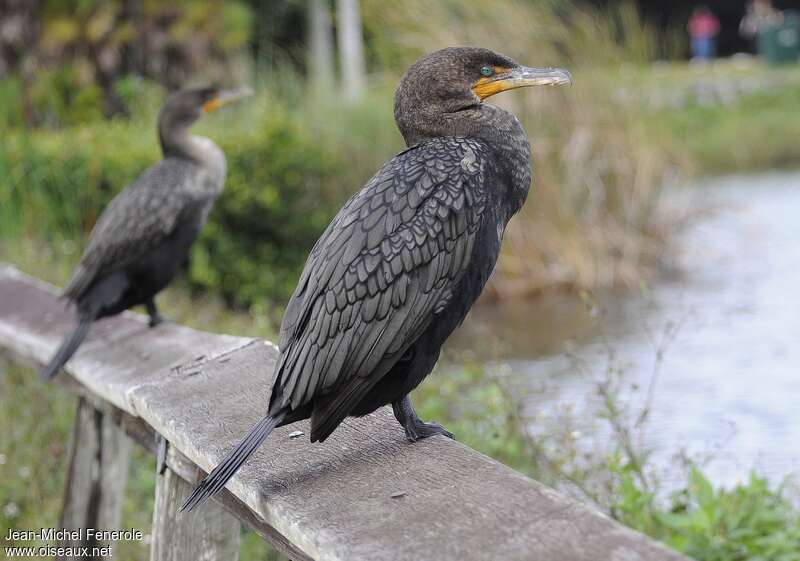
x=67 y=349
x=220 y=475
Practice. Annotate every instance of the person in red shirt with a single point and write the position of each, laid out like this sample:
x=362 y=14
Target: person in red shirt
x=703 y=30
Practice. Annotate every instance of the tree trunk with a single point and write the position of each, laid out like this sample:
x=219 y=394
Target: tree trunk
x=320 y=42
x=351 y=49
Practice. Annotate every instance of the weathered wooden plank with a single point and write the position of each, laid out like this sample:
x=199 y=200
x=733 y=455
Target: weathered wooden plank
x=365 y=493
x=96 y=477
x=211 y=535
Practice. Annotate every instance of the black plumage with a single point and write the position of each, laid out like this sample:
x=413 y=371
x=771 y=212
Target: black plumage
x=144 y=235
x=401 y=264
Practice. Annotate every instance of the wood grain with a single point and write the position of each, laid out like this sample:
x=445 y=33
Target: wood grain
x=365 y=494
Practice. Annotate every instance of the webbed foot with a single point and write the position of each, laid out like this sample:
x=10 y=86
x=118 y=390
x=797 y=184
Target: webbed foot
x=416 y=428
x=155 y=317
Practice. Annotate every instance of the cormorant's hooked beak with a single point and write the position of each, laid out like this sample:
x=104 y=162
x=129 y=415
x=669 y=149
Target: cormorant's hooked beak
x=520 y=77
x=224 y=97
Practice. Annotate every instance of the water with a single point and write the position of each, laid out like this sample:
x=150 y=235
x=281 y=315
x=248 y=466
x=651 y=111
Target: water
x=728 y=324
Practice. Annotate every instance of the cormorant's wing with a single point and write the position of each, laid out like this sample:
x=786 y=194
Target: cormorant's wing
x=134 y=222
x=385 y=266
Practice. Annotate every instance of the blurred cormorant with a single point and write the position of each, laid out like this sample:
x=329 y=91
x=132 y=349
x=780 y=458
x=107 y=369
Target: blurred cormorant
x=144 y=235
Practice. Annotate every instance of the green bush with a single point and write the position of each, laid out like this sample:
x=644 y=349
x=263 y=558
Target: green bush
x=54 y=184
x=750 y=522
x=277 y=201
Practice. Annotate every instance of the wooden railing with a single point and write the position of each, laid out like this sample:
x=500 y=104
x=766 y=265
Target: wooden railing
x=365 y=494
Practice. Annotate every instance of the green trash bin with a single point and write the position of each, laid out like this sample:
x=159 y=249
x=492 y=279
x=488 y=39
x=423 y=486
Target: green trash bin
x=780 y=44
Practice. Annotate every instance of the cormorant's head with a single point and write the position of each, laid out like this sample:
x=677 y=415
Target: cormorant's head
x=453 y=79
x=183 y=107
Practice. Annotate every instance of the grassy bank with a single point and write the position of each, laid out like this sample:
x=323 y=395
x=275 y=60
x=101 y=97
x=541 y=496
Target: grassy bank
x=593 y=219
x=754 y=131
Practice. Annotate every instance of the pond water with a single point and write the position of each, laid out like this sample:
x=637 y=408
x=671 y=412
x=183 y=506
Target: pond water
x=727 y=325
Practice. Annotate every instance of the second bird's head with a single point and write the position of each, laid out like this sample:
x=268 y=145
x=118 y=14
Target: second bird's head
x=448 y=81
x=183 y=107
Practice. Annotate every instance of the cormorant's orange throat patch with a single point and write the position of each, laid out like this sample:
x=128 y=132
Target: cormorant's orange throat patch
x=490 y=85
x=212 y=105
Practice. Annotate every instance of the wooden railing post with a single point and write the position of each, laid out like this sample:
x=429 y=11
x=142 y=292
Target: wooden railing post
x=98 y=473
x=207 y=534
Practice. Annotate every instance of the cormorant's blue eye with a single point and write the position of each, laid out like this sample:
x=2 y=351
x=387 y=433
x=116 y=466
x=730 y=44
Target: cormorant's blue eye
x=487 y=71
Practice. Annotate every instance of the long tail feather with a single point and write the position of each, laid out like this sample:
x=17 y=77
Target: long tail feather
x=67 y=349
x=220 y=475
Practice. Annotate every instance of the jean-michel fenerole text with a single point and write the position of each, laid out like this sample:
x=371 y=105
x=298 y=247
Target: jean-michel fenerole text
x=78 y=535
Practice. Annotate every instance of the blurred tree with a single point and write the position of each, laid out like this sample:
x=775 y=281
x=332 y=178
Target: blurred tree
x=351 y=49
x=72 y=51
x=279 y=33
x=321 y=66
x=18 y=28
x=77 y=60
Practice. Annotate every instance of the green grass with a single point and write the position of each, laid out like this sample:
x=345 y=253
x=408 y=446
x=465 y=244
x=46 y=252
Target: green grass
x=758 y=131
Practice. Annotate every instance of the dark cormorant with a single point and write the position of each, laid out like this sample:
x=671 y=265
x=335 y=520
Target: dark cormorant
x=401 y=264
x=145 y=233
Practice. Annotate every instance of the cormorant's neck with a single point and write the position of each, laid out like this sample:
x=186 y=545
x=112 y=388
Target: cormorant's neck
x=500 y=130
x=176 y=142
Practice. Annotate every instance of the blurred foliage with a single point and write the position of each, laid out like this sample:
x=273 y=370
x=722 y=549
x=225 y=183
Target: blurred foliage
x=69 y=56
x=750 y=522
x=554 y=31
x=753 y=131
x=276 y=204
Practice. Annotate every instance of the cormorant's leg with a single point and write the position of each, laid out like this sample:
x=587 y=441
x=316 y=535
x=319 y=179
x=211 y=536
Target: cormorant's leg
x=152 y=311
x=415 y=427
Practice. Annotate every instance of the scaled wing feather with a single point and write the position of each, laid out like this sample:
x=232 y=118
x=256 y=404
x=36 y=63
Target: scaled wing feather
x=379 y=274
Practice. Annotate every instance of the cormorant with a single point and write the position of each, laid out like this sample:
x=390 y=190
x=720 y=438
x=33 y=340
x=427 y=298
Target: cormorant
x=401 y=264
x=144 y=235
